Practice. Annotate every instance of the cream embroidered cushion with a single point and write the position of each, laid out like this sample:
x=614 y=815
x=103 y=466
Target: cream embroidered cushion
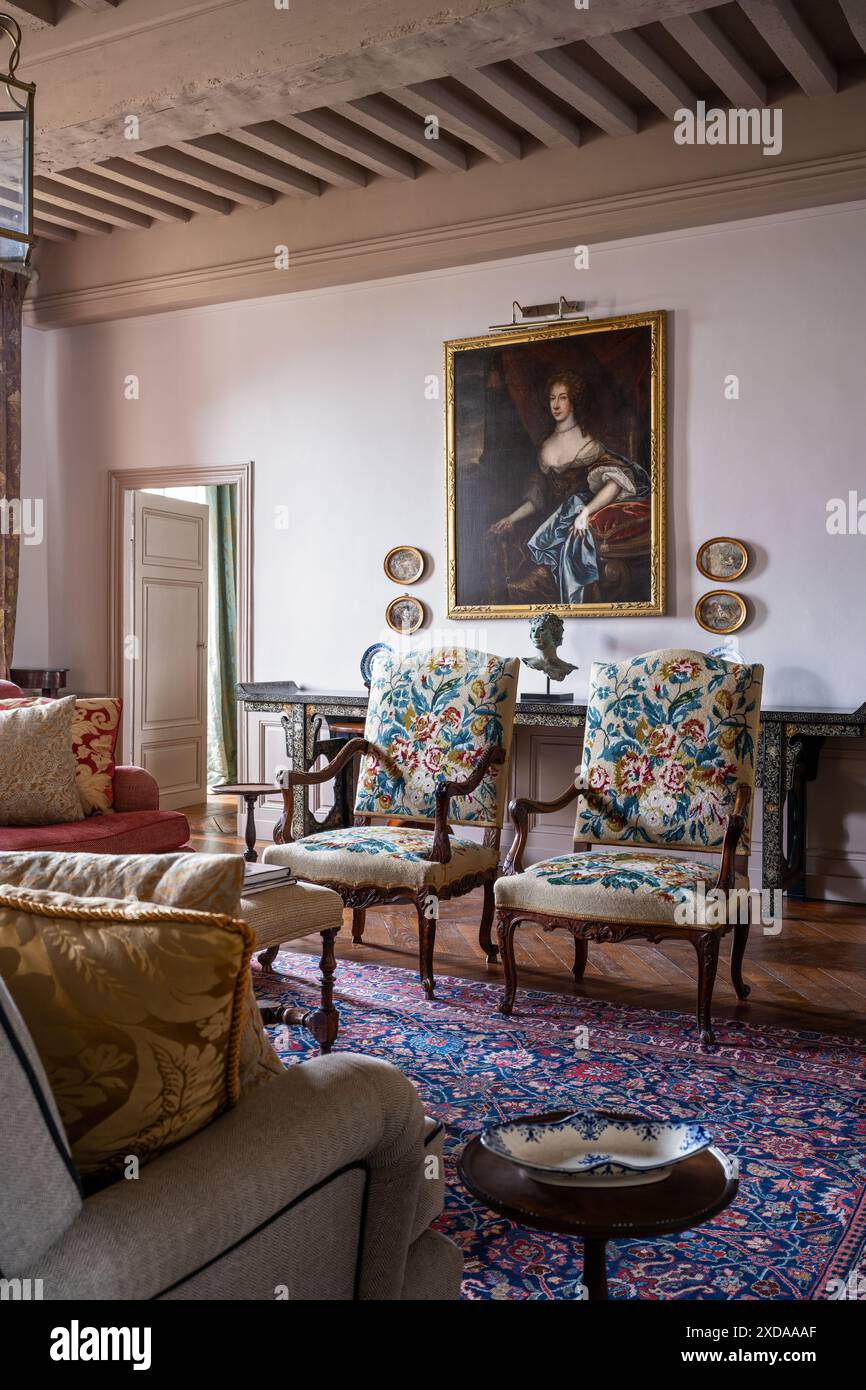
x=207 y=882
x=386 y=856
x=614 y=886
x=38 y=766
x=137 y=1012
x=95 y=726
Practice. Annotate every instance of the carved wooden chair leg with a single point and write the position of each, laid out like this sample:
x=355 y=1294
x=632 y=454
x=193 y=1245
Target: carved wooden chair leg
x=707 y=948
x=581 y=950
x=505 y=927
x=359 y=917
x=738 y=950
x=324 y=1021
x=427 y=905
x=267 y=958
x=485 y=931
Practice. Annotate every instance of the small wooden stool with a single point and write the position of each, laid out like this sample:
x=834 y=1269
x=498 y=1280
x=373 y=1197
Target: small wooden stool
x=286 y=912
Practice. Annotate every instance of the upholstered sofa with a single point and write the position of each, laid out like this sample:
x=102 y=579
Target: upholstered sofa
x=136 y=825
x=319 y=1185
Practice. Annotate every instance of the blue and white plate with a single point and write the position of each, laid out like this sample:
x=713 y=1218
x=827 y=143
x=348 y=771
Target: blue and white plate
x=596 y=1148
x=367 y=660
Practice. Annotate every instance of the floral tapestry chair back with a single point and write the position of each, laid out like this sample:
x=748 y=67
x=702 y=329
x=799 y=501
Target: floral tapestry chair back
x=431 y=715
x=669 y=735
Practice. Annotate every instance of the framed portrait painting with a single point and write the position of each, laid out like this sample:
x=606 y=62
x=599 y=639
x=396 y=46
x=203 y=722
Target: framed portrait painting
x=555 y=463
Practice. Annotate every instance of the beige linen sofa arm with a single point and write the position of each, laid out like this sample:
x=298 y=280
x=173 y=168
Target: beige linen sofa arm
x=353 y=1122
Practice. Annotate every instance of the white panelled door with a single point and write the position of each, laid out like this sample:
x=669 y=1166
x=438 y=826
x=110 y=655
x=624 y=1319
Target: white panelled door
x=170 y=626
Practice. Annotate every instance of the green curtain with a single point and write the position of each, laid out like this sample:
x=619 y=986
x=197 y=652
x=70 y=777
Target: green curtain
x=12 y=288
x=222 y=645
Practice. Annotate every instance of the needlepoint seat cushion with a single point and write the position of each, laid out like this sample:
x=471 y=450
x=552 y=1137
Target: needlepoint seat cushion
x=385 y=856
x=610 y=885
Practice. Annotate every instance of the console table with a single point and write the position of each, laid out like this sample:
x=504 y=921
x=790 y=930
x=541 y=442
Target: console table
x=788 y=752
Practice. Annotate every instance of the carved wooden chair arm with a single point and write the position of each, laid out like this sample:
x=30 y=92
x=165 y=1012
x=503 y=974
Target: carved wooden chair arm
x=290 y=780
x=520 y=811
x=733 y=831
x=441 y=850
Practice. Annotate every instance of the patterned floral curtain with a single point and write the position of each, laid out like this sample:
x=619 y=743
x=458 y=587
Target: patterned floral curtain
x=12 y=288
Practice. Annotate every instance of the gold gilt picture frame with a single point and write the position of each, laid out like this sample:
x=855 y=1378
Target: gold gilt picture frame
x=555 y=461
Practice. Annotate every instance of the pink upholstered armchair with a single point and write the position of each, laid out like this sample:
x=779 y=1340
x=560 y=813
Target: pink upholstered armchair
x=135 y=826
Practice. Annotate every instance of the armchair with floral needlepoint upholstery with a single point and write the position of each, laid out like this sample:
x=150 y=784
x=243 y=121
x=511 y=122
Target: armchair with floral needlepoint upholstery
x=434 y=755
x=668 y=765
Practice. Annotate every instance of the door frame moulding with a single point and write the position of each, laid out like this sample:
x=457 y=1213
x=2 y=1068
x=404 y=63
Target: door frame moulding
x=127 y=480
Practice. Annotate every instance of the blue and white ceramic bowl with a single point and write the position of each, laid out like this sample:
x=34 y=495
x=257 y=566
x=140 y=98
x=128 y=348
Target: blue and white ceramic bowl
x=597 y=1148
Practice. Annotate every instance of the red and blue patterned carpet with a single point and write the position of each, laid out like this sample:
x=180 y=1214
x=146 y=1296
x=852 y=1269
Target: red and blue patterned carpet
x=788 y=1104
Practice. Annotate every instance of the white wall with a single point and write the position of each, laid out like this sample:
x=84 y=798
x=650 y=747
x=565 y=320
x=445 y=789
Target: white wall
x=325 y=391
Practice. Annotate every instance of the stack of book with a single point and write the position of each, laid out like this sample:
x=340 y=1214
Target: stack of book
x=258 y=877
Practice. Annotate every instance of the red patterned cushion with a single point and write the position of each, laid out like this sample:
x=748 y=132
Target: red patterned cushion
x=94 y=738
x=622 y=521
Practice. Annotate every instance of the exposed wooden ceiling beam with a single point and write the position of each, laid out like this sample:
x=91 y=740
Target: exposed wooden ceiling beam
x=245 y=160
x=121 y=193
x=167 y=160
x=66 y=217
x=794 y=44
x=50 y=232
x=855 y=13
x=136 y=176
x=49 y=191
x=404 y=128
x=95 y=4
x=513 y=96
x=353 y=142
x=461 y=118
x=571 y=81
x=323 y=164
x=700 y=36
x=45 y=11
x=630 y=55
x=206 y=66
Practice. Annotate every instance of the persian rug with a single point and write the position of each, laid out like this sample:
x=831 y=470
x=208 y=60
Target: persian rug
x=789 y=1104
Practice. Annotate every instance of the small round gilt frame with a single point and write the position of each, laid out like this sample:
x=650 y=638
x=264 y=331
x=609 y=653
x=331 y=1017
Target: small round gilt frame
x=415 y=554
x=405 y=629
x=722 y=540
x=722 y=593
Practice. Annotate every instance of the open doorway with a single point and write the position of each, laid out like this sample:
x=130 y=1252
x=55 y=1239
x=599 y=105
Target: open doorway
x=181 y=623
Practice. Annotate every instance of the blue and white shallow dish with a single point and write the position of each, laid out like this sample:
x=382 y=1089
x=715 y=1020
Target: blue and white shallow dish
x=595 y=1148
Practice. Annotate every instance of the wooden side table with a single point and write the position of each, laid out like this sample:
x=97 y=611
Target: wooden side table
x=250 y=793
x=695 y=1191
x=49 y=679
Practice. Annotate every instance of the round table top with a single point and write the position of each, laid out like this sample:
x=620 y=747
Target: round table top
x=244 y=788
x=695 y=1191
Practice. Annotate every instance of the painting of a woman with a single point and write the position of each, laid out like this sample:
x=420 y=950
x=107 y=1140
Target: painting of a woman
x=577 y=476
x=556 y=470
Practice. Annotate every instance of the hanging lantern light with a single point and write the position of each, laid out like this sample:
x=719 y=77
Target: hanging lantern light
x=16 y=155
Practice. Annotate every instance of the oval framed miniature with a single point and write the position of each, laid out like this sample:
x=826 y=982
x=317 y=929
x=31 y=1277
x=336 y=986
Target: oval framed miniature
x=404 y=564
x=404 y=614
x=723 y=558
x=721 y=610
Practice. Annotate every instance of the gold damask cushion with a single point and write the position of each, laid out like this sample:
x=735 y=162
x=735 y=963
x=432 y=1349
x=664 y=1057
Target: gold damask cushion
x=385 y=856
x=206 y=882
x=614 y=886
x=137 y=1012
x=37 y=765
